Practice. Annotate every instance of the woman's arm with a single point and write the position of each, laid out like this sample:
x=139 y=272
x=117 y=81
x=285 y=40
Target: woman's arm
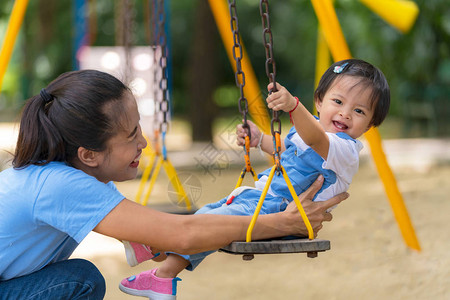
x=311 y=132
x=196 y=233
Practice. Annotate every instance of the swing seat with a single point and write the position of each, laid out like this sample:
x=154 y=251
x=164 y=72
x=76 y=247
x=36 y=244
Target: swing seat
x=278 y=246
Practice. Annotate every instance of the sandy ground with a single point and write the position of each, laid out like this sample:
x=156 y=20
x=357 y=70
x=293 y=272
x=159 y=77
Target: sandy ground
x=368 y=260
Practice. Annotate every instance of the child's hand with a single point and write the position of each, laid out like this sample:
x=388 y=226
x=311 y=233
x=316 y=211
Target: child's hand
x=281 y=99
x=241 y=133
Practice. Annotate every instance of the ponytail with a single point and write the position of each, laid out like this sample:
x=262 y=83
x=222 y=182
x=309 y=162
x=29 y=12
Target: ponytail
x=68 y=114
x=39 y=141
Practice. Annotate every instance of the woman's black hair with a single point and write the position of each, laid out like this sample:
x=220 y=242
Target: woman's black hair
x=77 y=109
x=370 y=76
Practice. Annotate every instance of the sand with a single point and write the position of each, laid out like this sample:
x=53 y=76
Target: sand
x=368 y=260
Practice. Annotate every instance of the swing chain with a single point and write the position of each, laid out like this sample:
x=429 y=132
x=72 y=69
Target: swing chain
x=156 y=73
x=271 y=73
x=154 y=40
x=268 y=41
x=237 y=55
x=127 y=17
x=163 y=83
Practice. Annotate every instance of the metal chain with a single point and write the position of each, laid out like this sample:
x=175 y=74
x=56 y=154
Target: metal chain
x=237 y=55
x=163 y=85
x=153 y=39
x=268 y=41
x=155 y=69
x=271 y=73
x=127 y=38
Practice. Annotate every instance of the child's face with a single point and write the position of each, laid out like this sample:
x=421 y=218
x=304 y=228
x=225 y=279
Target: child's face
x=120 y=160
x=346 y=107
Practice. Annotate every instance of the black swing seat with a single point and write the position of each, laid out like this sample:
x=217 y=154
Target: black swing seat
x=278 y=246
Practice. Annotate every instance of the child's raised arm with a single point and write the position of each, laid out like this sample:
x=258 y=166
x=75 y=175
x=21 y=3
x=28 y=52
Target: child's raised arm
x=305 y=124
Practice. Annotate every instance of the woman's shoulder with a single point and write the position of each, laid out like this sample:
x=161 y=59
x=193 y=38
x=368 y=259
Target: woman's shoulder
x=53 y=171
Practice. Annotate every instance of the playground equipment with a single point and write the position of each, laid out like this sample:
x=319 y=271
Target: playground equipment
x=402 y=15
x=291 y=244
x=157 y=154
x=398 y=13
x=15 y=21
x=240 y=83
x=338 y=47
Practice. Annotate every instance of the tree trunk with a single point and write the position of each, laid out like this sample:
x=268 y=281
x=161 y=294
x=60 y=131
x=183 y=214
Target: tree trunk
x=203 y=76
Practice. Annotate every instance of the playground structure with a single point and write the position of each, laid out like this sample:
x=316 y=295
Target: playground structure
x=333 y=37
x=401 y=15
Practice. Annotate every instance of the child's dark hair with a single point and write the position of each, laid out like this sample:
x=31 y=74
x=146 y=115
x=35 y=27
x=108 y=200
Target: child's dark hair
x=71 y=112
x=370 y=76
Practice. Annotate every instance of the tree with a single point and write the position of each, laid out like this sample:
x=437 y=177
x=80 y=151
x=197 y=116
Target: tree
x=203 y=67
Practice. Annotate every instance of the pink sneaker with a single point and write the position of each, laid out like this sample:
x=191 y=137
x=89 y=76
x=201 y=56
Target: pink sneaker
x=137 y=253
x=146 y=284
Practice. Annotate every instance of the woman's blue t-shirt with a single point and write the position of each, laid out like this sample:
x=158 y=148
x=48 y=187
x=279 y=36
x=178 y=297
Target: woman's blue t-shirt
x=45 y=212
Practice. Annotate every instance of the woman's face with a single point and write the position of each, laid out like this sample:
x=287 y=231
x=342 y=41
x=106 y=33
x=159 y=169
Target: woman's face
x=120 y=161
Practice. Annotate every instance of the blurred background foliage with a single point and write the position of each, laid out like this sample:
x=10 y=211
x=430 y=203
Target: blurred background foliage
x=417 y=64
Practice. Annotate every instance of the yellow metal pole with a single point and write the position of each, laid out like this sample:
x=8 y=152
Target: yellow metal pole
x=176 y=183
x=257 y=106
x=392 y=191
x=145 y=175
x=336 y=42
x=331 y=28
x=153 y=180
x=401 y=14
x=15 y=21
x=322 y=58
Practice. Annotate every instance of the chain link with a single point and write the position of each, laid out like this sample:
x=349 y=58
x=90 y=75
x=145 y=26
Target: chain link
x=268 y=41
x=127 y=36
x=237 y=55
x=163 y=83
x=271 y=74
x=155 y=69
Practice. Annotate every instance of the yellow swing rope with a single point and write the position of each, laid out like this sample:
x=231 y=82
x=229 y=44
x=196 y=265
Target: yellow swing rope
x=278 y=168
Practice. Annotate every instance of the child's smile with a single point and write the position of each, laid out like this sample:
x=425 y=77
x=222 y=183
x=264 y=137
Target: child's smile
x=340 y=126
x=346 y=107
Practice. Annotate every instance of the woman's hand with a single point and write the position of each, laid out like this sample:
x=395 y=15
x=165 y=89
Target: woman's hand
x=316 y=211
x=242 y=132
x=281 y=99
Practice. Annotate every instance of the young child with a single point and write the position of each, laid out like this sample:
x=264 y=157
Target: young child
x=76 y=136
x=352 y=96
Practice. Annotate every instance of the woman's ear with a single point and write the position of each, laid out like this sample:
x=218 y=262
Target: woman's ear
x=88 y=157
